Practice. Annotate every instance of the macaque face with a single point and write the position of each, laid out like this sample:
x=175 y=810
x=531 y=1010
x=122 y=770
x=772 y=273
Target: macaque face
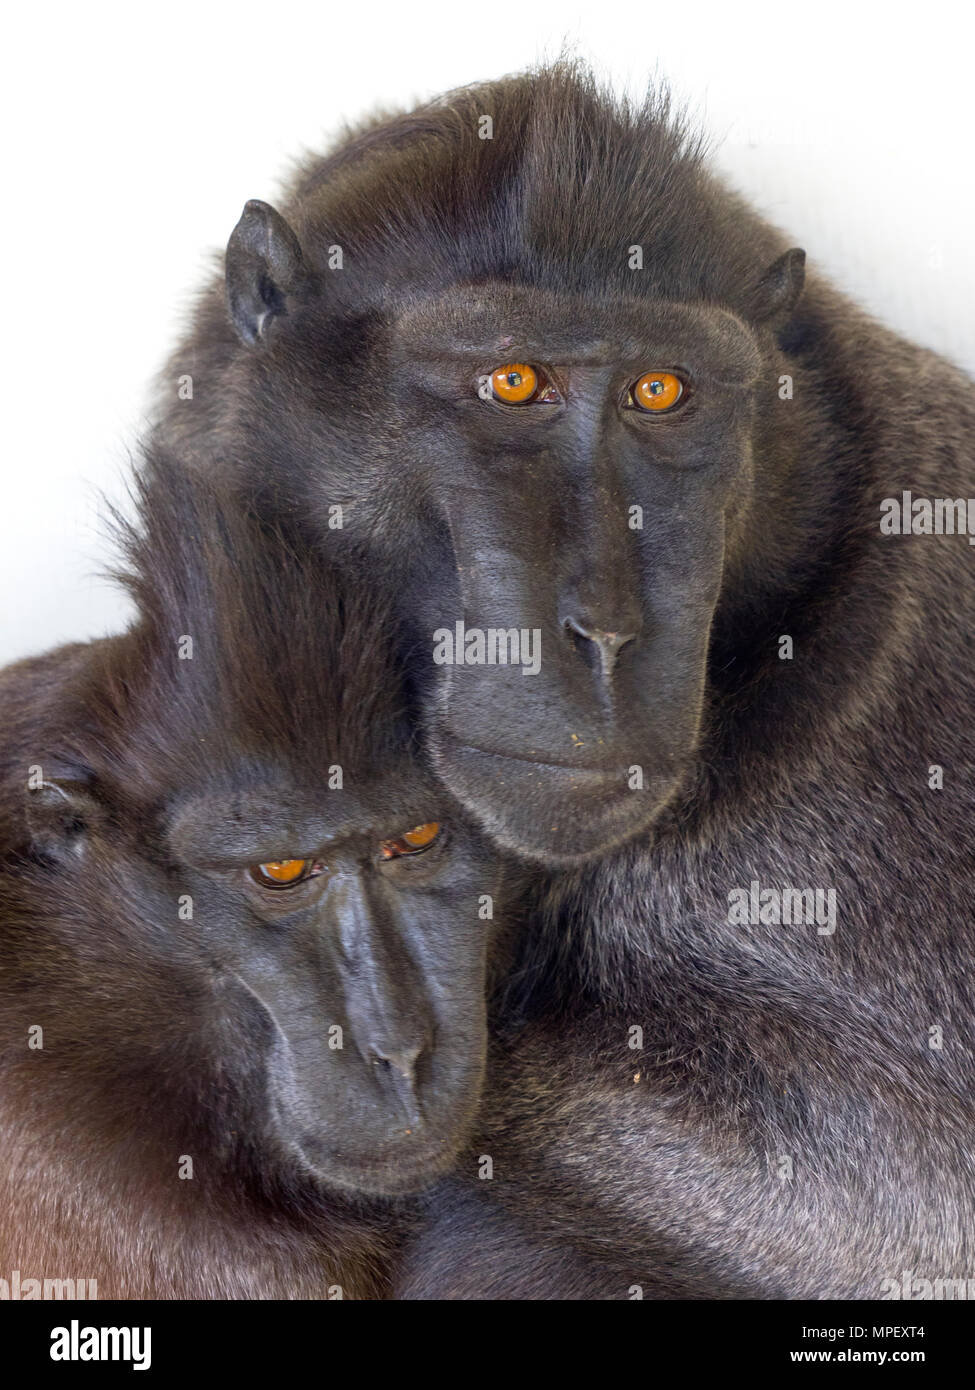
x=342 y=947
x=593 y=514
x=552 y=484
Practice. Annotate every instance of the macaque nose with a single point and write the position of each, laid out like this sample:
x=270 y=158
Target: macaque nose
x=608 y=644
x=395 y=1070
x=402 y=1060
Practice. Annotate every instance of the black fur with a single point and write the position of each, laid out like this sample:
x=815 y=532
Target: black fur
x=188 y=1011
x=762 y=510
x=784 y=1127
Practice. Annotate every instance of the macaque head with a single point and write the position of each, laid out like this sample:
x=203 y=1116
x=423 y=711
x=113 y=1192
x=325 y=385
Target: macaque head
x=240 y=835
x=340 y=944
x=544 y=433
x=356 y=923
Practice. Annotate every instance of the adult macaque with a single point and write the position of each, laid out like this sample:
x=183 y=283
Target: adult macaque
x=243 y=938
x=538 y=379
x=561 y=379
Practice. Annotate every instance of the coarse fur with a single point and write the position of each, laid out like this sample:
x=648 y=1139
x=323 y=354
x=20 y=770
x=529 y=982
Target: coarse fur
x=356 y=389
x=188 y=1012
x=789 y=1125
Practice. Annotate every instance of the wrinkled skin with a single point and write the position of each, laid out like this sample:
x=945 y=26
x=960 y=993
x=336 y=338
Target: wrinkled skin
x=585 y=723
x=392 y=952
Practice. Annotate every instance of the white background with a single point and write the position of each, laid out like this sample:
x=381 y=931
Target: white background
x=134 y=133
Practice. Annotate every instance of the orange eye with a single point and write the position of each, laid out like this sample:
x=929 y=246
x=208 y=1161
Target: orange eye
x=422 y=835
x=514 y=383
x=413 y=841
x=282 y=873
x=657 y=391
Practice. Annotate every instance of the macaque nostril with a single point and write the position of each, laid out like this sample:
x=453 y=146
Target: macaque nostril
x=396 y=1072
x=402 y=1061
x=608 y=645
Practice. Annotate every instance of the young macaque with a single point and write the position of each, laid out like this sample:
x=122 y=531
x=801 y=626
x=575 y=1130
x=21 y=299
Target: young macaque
x=243 y=935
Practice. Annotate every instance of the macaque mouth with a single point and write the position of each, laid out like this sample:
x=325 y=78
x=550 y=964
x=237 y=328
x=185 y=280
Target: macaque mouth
x=598 y=777
x=530 y=758
x=549 y=811
x=391 y=1148
x=398 y=1174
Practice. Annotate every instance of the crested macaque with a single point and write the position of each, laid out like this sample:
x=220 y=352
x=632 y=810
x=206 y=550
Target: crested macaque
x=562 y=383
x=243 y=935
x=546 y=407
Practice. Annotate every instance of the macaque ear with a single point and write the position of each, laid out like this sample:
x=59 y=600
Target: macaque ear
x=60 y=812
x=264 y=266
x=778 y=291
